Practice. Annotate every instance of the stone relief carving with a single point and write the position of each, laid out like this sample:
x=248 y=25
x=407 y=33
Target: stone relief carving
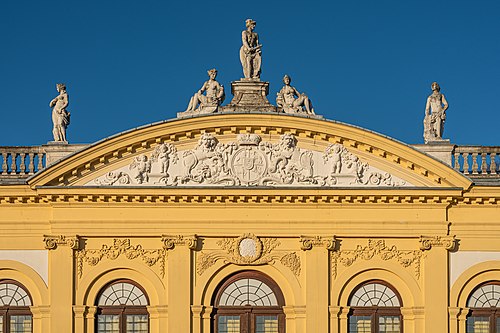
x=208 y=103
x=121 y=247
x=291 y=101
x=247 y=249
x=170 y=242
x=292 y=261
x=250 y=51
x=52 y=242
x=60 y=117
x=448 y=242
x=249 y=161
x=435 y=115
x=307 y=243
x=409 y=258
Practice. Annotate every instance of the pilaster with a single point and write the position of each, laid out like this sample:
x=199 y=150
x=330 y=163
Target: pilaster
x=158 y=316
x=41 y=318
x=435 y=281
x=61 y=273
x=317 y=281
x=179 y=281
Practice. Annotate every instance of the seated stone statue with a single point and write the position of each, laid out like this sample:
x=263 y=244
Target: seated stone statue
x=291 y=101
x=214 y=96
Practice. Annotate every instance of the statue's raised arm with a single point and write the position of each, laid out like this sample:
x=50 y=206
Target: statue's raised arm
x=250 y=52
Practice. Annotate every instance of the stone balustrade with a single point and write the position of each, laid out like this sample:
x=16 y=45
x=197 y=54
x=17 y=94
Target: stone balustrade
x=21 y=161
x=477 y=161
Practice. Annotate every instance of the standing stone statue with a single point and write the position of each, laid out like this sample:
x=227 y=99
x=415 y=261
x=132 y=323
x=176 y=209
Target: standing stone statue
x=435 y=114
x=60 y=117
x=208 y=103
x=250 y=51
x=291 y=101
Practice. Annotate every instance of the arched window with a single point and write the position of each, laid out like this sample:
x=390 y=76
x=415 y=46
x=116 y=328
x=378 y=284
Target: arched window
x=249 y=302
x=484 y=304
x=15 y=314
x=375 y=307
x=121 y=308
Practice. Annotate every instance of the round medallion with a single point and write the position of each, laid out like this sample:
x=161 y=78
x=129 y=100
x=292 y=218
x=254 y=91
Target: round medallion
x=248 y=248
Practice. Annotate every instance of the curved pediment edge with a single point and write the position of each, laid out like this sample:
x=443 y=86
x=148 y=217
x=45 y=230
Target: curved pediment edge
x=183 y=132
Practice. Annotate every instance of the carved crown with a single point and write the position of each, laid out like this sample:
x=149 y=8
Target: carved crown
x=249 y=139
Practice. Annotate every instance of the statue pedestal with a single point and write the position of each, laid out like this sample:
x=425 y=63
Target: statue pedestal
x=442 y=149
x=57 y=150
x=250 y=95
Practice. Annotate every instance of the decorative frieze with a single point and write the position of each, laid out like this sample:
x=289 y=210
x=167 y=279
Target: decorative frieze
x=307 y=243
x=170 y=241
x=52 y=242
x=448 y=242
x=121 y=247
x=247 y=249
x=249 y=161
x=406 y=258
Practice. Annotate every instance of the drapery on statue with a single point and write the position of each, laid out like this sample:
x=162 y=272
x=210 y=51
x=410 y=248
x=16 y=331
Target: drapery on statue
x=435 y=114
x=214 y=96
x=250 y=51
x=291 y=101
x=60 y=117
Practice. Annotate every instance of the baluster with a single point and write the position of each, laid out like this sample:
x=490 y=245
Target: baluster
x=4 y=163
x=466 y=163
x=22 y=164
x=40 y=162
x=31 y=168
x=475 y=166
x=13 y=166
x=484 y=166
x=456 y=162
x=493 y=163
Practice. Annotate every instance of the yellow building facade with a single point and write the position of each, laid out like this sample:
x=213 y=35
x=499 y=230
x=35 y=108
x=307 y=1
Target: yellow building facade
x=251 y=222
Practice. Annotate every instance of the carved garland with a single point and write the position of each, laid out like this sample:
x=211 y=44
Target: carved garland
x=377 y=247
x=121 y=247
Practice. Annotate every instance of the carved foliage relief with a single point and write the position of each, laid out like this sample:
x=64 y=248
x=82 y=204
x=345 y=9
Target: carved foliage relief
x=247 y=249
x=248 y=162
x=121 y=247
x=377 y=248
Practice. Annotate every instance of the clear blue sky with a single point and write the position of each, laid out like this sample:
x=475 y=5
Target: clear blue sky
x=367 y=63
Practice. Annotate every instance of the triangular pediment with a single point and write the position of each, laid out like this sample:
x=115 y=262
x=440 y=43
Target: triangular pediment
x=250 y=150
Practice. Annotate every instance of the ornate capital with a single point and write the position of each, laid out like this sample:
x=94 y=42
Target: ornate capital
x=169 y=241
x=448 y=242
x=52 y=242
x=308 y=243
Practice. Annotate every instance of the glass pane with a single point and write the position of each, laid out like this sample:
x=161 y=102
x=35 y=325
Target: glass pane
x=228 y=324
x=137 y=324
x=20 y=324
x=478 y=325
x=267 y=324
x=498 y=325
x=108 y=324
x=1 y=324
x=389 y=324
x=360 y=324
